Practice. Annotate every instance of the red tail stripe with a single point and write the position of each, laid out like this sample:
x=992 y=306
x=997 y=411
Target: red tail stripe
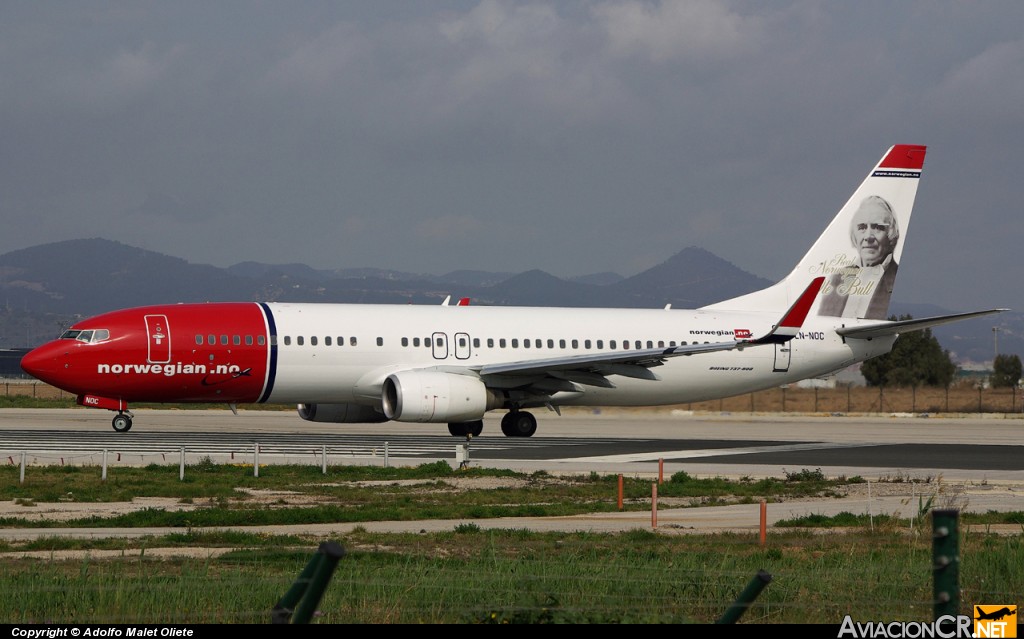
x=796 y=315
x=904 y=156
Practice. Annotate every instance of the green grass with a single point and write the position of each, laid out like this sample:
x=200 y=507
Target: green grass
x=219 y=495
x=514 y=576
x=871 y=568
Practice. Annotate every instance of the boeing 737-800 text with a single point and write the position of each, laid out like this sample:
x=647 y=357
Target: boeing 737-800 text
x=450 y=364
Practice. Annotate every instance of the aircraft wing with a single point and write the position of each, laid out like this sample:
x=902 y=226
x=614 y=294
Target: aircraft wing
x=883 y=329
x=592 y=368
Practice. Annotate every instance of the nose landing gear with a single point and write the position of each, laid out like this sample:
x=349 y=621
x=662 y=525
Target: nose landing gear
x=122 y=422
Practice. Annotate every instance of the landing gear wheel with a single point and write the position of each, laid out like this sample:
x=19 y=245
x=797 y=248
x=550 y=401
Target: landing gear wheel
x=122 y=423
x=461 y=429
x=519 y=423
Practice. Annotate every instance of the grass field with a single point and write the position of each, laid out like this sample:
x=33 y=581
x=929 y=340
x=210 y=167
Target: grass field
x=820 y=569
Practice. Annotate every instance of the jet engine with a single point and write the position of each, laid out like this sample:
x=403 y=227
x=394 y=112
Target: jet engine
x=431 y=396
x=340 y=414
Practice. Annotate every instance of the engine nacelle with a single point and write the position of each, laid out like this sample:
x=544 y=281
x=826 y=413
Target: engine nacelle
x=341 y=414
x=431 y=396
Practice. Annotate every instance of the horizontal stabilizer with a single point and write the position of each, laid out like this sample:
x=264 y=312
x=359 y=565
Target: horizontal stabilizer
x=885 y=329
x=790 y=324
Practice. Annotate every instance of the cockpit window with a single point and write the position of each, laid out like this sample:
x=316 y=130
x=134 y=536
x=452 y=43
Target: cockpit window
x=89 y=337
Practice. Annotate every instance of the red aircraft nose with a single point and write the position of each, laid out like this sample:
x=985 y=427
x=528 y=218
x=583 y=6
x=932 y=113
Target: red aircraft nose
x=46 y=363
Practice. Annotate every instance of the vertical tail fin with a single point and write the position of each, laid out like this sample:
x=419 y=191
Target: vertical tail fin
x=859 y=252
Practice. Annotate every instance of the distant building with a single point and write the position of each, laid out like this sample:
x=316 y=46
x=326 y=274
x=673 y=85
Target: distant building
x=10 y=362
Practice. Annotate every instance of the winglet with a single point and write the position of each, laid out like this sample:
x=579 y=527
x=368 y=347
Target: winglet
x=463 y=301
x=791 y=322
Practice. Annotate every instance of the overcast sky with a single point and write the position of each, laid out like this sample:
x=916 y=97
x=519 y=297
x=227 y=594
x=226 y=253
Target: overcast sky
x=574 y=137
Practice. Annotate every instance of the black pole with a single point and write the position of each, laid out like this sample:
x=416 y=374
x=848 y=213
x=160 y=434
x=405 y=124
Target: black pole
x=746 y=598
x=300 y=602
x=945 y=562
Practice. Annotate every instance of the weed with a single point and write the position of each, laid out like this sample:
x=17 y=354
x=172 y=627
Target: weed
x=804 y=475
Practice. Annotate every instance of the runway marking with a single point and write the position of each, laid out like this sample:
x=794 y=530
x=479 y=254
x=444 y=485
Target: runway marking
x=713 y=452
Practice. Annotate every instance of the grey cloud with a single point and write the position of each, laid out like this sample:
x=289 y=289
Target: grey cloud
x=428 y=137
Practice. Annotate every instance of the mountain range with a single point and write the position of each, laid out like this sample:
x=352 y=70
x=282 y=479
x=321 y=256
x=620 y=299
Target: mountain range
x=45 y=288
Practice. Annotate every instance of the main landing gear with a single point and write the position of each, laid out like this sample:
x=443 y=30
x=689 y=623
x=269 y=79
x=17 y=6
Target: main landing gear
x=519 y=423
x=516 y=423
x=122 y=422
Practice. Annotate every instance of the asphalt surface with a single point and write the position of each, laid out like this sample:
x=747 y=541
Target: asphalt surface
x=971 y=463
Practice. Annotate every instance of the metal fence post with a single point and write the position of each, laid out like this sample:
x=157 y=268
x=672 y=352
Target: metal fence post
x=299 y=604
x=746 y=598
x=945 y=562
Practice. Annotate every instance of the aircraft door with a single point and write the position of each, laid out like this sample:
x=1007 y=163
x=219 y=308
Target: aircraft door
x=439 y=345
x=462 y=347
x=782 y=356
x=159 y=337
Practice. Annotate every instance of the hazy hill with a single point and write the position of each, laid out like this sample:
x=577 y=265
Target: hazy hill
x=45 y=287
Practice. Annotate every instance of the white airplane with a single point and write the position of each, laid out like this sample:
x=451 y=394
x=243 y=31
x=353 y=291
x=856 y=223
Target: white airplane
x=450 y=364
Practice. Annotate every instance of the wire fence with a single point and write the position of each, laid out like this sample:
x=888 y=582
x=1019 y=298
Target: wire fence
x=965 y=398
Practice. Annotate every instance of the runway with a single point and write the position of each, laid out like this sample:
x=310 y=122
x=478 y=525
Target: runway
x=874 y=447
x=975 y=461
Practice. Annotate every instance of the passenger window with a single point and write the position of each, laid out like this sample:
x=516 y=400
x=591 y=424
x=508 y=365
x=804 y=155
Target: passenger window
x=561 y=343
x=476 y=342
x=405 y=341
x=248 y=340
x=439 y=342
x=575 y=344
x=501 y=342
x=462 y=342
x=352 y=341
x=236 y=340
x=661 y=343
x=211 y=340
x=526 y=343
x=223 y=340
x=341 y=341
x=327 y=340
x=260 y=340
x=312 y=340
x=586 y=343
x=600 y=344
x=611 y=344
x=199 y=340
x=515 y=343
x=300 y=340
x=490 y=342
x=415 y=341
x=380 y=341
x=537 y=343
x=287 y=340
x=650 y=344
